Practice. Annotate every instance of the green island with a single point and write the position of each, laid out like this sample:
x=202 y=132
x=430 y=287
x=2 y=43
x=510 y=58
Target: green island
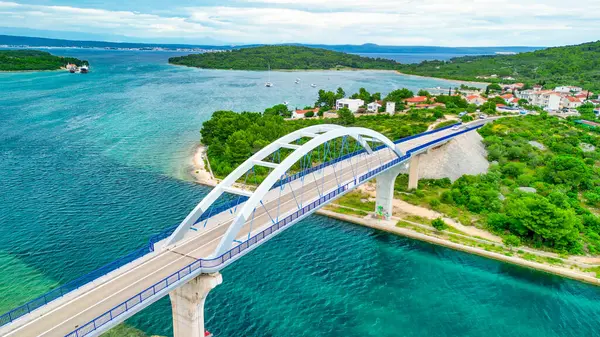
x=23 y=60
x=282 y=57
x=551 y=67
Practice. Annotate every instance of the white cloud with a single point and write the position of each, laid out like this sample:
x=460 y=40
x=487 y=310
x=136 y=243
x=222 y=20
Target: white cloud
x=419 y=22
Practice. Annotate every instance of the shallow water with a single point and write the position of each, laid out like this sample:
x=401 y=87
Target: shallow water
x=92 y=165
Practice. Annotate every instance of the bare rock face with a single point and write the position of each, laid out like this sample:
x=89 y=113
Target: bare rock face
x=465 y=154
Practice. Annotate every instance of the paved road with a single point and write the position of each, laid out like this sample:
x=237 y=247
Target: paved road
x=89 y=304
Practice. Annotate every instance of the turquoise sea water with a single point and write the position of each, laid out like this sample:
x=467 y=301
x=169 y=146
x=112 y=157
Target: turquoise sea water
x=92 y=165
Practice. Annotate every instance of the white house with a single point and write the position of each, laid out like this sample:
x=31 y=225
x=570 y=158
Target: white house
x=571 y=102
x=567 y=89
x=351 y=104
x=476 y=99
x=390 y=107
x=374 y=106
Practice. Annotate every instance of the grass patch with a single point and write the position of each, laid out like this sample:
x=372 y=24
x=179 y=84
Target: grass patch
x=348 y=211
x=355 y=200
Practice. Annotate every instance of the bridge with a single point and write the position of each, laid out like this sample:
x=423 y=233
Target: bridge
x=293 y=177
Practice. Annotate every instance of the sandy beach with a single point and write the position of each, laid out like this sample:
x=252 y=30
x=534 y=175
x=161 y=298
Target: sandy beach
x=201 y=173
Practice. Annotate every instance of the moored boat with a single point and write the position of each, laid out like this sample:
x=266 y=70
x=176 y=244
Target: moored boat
x=84 y=69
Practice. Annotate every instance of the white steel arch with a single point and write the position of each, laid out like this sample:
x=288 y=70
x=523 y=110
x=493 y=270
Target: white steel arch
x=320 y=134
x=246 y=211
x=217 y=191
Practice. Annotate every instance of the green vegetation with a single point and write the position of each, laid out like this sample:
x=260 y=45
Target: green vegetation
x=233 y=137
x=439 y=224
x=570 y=65
x=123 y=330
x=21 y=60
x=559 y=209
x=281 y=57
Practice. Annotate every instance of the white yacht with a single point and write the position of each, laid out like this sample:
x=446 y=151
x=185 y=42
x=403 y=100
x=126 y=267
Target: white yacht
x=269 y=83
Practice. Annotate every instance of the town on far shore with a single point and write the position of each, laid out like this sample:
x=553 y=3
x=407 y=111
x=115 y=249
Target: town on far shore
x=496 y=98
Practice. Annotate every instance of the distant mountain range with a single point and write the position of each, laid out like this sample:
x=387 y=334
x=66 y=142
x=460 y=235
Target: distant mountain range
x=365 y=48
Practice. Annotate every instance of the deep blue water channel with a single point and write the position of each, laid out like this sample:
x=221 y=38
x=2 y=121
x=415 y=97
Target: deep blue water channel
x=92 y=165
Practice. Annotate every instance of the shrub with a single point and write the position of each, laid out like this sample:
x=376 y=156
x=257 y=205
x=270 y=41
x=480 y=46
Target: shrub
x=439 y=224
x=512 y=241
x=309 y=114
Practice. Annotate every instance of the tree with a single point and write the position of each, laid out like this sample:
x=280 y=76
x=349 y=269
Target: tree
x=439 y=224
x=340 y=93
x=423 y=92
x=398 y=96
x=567 y=170
x=523 y=102
x=512 y=241
x=279 y=110
x=544 y=221
x=309 y=114
x=345 y=116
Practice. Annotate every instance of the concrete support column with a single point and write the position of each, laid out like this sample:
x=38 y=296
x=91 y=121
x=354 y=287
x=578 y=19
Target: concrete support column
x=187 y=303
x=385 y=191
x=413 y=173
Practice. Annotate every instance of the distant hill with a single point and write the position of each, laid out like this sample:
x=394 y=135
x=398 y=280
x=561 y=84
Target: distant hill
x=364 y=48
x=282 y=57
x=45 y=42
x=570 y=65
x=20 y=60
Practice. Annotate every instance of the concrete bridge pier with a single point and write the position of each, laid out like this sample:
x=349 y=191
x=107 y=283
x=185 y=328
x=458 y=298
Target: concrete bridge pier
x=385 y=191
x=187 y=303
x=413 y=173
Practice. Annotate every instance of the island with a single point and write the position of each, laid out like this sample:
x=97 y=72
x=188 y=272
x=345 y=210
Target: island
x=551 y=67
x=28 y=60
x=282 y=58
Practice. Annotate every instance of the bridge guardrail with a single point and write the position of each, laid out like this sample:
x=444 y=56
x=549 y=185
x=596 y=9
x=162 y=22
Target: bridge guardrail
x=77 y=283
x=198 y=264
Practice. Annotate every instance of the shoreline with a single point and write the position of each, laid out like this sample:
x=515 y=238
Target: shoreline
x=445 y=79
x=340 y=69
x=200 y=173
x=389 y=226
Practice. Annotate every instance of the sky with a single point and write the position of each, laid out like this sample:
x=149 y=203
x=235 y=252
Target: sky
x=386 y=22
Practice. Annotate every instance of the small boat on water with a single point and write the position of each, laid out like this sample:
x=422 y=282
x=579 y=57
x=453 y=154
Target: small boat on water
x=297 y=81
x=269 y=83
x=207 y=333
x=84 y=69
x=313 y=85
x=286 y=102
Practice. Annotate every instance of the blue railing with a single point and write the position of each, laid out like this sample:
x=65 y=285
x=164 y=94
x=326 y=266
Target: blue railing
x=163 y=284
x=77 y=283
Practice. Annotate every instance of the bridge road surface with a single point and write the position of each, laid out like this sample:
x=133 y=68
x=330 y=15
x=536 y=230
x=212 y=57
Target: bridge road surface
x=85 y=306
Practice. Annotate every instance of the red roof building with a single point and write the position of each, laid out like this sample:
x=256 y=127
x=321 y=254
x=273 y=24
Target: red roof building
x=416 y=100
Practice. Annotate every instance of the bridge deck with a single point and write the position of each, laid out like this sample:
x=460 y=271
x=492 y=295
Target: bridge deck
x=84 y=305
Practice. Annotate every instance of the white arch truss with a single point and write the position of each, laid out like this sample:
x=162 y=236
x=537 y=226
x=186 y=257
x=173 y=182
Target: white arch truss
x=320 y=134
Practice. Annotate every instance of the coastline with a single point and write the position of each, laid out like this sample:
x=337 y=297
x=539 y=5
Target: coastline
x=443 y=78
x=200 y=172
x=389 y=226
x=202 y=175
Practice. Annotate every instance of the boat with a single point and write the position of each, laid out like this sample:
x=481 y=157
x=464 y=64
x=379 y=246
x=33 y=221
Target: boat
x=269 y=83
x=84 y=69
x=207 y=333
x=286 y=102
x=297 y=81
x=313 y=85
x=71 y=67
